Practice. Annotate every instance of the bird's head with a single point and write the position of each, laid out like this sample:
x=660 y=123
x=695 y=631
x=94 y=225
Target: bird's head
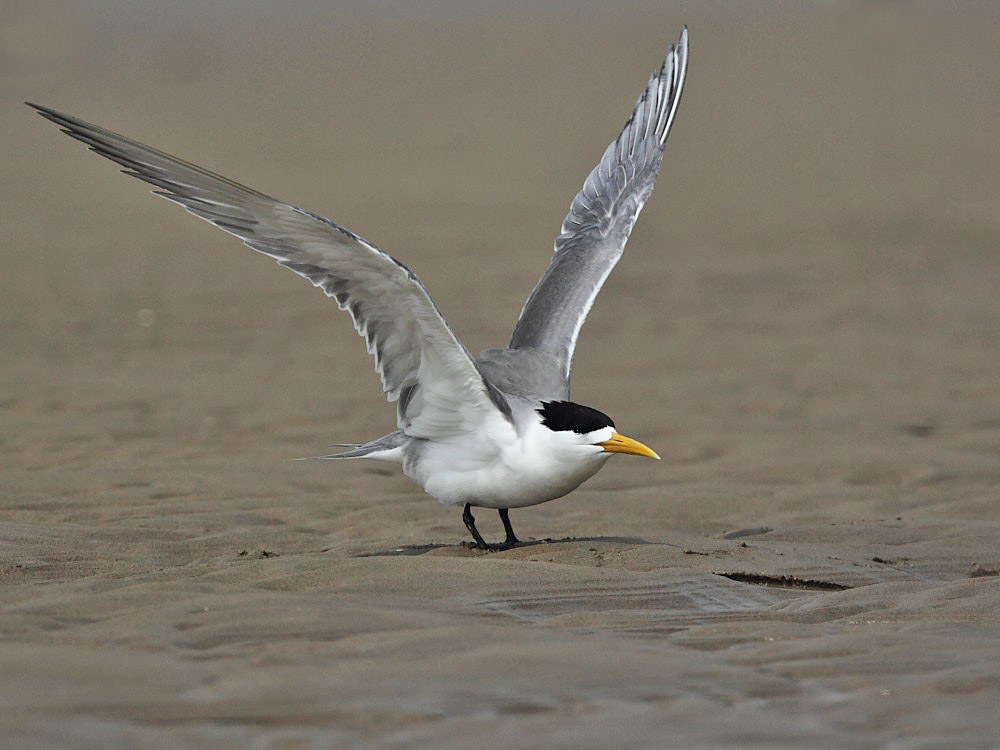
x=581 y=427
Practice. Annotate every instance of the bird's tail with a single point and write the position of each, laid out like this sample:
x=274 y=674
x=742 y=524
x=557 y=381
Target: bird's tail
x=386 y=448
x=357 y=450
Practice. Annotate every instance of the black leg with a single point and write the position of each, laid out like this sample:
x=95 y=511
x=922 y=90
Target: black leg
x=470 y=524
x=511 y=540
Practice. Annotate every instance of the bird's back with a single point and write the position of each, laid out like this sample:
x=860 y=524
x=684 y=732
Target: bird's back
x=524 y=373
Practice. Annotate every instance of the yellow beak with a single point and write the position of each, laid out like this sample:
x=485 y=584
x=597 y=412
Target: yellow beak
x=621 y=444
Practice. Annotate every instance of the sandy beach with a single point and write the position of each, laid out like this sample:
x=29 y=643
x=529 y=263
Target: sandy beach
x=805 y=326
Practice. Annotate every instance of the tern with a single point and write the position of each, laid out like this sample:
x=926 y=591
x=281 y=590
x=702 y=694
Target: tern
x=496 y=431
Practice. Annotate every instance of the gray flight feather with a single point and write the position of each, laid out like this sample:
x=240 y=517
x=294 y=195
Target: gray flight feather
x=422 y=364
x=601 y=217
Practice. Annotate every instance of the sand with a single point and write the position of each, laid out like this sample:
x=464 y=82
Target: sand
x=804 y=326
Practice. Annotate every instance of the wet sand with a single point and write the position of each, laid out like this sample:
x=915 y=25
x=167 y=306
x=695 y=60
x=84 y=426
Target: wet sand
x=804 y=326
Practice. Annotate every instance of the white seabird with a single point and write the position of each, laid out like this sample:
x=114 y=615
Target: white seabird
x=497 y=431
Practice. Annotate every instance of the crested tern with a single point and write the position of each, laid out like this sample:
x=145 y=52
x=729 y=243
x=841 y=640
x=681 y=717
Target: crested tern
x=497 y=431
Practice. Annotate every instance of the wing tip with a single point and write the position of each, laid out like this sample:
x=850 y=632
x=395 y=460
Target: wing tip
x=49 y=114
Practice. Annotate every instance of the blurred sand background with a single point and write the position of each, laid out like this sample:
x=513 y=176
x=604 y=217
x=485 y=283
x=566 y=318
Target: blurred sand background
x=805 y=326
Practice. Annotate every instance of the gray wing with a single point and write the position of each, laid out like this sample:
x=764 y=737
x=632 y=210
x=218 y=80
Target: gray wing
x=421 y=363
x=524 y=374
x=601 y=217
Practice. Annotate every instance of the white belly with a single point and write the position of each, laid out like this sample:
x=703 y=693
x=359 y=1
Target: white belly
x=516 y=476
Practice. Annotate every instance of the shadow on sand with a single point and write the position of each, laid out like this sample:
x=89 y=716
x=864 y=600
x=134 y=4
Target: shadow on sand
x=412 y=550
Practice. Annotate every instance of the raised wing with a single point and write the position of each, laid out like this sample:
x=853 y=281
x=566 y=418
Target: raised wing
x=423 y=366
x=601 y=217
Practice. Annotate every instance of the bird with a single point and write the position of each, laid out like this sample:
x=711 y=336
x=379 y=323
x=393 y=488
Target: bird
x=497 y=431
